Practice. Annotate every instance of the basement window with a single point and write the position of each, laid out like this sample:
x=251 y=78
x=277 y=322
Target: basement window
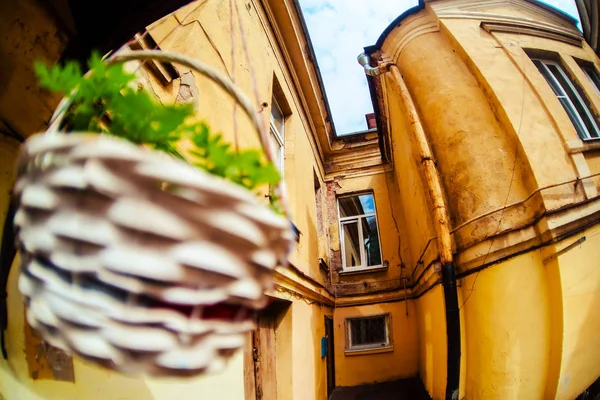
x=359 y=235
x=368 y=333
x=572 y=99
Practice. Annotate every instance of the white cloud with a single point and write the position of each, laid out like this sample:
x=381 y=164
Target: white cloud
x=339 y=29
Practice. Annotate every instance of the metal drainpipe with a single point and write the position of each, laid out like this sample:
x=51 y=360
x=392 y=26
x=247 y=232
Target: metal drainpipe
x=442 y=223
x=365 y=60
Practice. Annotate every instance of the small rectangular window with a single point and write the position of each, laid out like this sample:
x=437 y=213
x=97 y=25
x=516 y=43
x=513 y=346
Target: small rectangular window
x=318 y=203
x=594 y=77
x=371 y=332
x=571 y=98
x=277 y=134
x=358 y=232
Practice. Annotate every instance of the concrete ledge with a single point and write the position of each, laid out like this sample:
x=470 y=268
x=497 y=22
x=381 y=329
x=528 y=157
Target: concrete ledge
x=364 y=270
x=374 y=350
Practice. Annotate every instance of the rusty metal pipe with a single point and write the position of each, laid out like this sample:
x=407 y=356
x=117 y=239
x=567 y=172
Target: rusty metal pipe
x=440 y=211
x=442 y=227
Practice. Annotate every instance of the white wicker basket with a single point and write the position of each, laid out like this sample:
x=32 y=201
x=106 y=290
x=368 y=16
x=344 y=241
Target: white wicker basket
x=136 y=260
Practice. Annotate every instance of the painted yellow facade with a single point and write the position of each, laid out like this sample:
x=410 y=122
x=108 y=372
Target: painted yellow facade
x=354 y=369
x=200 y=30
x=456 y=80
x=519 y=187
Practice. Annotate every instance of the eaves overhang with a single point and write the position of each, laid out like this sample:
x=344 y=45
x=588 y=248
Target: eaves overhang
x=422 y=3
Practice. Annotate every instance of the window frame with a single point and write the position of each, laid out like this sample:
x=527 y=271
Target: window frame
x=595 y=79
x=382 y=346
x=341 y=220
x=279 y=136
x=584 y=134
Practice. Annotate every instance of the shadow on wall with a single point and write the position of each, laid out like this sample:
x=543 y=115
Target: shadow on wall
x=431 y=325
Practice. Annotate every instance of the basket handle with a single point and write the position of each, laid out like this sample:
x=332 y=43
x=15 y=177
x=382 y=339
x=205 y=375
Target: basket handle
x=209 y=72
x=204 y=69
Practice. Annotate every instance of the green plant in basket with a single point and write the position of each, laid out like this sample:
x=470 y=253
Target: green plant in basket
x=107 y=100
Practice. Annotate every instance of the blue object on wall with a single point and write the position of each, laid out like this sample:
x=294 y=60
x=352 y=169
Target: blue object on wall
x=324 y=342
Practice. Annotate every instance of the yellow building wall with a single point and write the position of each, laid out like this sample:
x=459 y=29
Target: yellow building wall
x=412 y=198
x=432 y=343
x=580 y=298
x=28 y=32
x=402 y=362
x=526 y=328
x=530 y=323
x=458 y=119
x=209 y=41
x=529 y=109
x=309 y=374
x=205 y=36
x=507 y=323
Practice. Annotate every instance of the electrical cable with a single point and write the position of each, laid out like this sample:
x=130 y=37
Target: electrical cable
x=512 y=178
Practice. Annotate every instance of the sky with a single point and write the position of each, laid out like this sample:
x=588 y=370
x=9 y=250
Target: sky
x=339 y=29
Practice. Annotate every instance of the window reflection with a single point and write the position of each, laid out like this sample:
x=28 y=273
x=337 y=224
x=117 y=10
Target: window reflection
x=359 y=233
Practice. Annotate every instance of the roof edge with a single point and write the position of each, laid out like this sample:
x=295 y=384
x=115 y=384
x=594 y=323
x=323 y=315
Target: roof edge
x=413 y=10
x=392 y=25
x=313 y=60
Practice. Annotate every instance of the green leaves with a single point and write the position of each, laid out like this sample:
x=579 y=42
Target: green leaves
x=58 y=79
x=107 y=100
x=244 y=167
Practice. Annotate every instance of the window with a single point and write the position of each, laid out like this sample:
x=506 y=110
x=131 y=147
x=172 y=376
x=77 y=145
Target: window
x=277 y=134
x=358 y=232
x=371 y=332
x=318 y=203
x=570 y=97
x=163 y=71
x=593 y=75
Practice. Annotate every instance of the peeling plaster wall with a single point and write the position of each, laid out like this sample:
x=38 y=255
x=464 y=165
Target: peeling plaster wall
x=526 y=326
x=200 y=30
x=27 y=33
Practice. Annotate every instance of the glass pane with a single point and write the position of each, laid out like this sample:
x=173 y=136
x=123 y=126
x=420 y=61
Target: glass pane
x=579 y=126
x=546 y=74
x=371 y=241
x=594 y=77
x=581 y=109
x=357 y=205
x=278 y=151
x=351 y=246
x=368 y=331
x=277 y=117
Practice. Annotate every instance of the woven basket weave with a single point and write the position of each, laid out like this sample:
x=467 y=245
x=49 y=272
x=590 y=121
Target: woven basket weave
x=136 y=260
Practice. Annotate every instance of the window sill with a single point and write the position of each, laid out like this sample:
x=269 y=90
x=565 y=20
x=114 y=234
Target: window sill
x=363 y=270
x=581 y=146
x=374 y=350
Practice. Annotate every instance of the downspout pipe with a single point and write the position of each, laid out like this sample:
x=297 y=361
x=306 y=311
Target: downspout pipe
x=364 y=60
x=441 y=220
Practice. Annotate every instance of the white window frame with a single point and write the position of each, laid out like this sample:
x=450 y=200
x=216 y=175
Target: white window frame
x=386 y=344
x=279 y=136
x=584 y=134
x=358 y=218
x=587 y=70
